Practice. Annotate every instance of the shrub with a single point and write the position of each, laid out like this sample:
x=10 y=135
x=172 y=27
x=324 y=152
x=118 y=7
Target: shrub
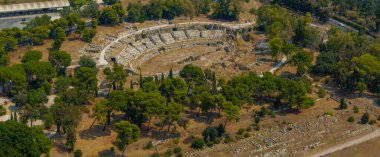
x=356 y=109
x=321 y=92
x=372 y=121
x=220 y=130
x=248 y=129
x=228 y=139
x=209 y=135
x=197 y=143
x=112 y=149
x=149 y=145
x=238 y=137
x=351 y=119
x=176 y=141
x=178 y=151
x=343 y=105
x=328 y=114
x=246 y=135
x=168 y=153
x=365 y=118
x=155 y=155
x=241 y=131
x=3 y=111
x=78 y=153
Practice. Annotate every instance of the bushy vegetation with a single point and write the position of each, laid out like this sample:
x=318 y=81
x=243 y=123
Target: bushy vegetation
x=362 y=15
x=197 y=143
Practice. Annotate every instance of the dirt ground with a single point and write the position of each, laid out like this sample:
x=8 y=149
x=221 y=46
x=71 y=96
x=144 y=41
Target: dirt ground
x=71 y=46
x=366 y=149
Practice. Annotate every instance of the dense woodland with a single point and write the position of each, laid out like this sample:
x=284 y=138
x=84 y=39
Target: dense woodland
x=351 y=59
x=363 y=15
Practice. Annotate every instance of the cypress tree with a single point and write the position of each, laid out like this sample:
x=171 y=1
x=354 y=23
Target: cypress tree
x=141 y=81
x=15 y=116
x=131 y=86
x=214 y=83
x=171 y=73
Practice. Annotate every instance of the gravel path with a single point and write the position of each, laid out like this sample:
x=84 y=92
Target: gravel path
x=362 y=139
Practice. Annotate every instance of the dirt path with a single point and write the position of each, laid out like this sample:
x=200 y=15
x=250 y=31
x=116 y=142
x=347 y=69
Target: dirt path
x=362 y=139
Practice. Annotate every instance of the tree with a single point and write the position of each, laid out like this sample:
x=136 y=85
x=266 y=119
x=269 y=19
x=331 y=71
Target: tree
x=72 y=20
x=62 y=84
x=110 y=2
x=85 y=61
x=155 y=106
x=295 y=95
x=39 y=72
x=109 y=16
x=88 y=34
x=59 y=38
x=173 y=111
x=32 y=55
x=80 y=27
x=303 y=61
x=120 y=11
x=3 y=56
x=60 y=60
x=39 y=34
x=325 y=63
x=227 y=9
x=99 y=112
x=85 y=78
x=21 y=140
x=171 y=73
x=117 y=77
x=13 y=79
x=136 y=12
x=91 y=9
x=275 y=45
x=232 y=112
x=192 y=75
x=3 y=111
x=127 y=133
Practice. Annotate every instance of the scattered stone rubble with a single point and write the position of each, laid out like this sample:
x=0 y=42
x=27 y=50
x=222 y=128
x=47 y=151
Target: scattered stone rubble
x=285 y=140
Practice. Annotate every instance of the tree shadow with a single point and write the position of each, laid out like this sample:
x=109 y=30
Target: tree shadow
x=207 y=118
x=94 y=132
x=164 y=134
x=288 y=111
x=286 y=74
x=106 y=153
x=59 y=144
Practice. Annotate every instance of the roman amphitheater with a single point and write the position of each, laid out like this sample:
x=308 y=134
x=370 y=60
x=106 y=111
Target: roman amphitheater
x=132 y=47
